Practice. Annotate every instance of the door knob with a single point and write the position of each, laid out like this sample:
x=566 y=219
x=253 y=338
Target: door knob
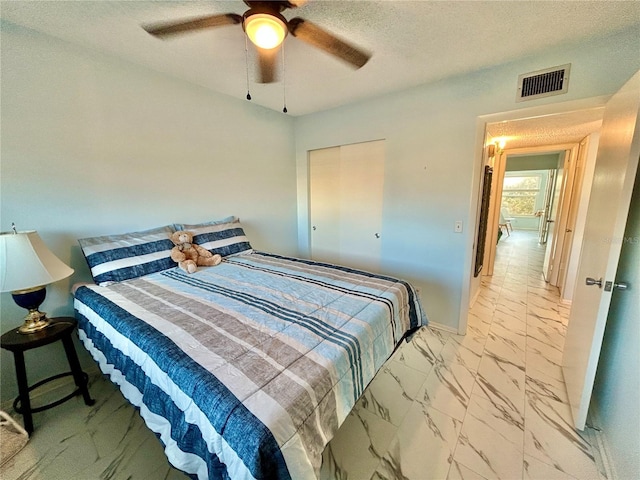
x=593 y=281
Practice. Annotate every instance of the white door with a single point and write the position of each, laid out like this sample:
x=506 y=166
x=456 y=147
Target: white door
x=572 y=215
x=543 y=228
x=324 y=200
x=562 y=216
x=552 y=216
x=362 y=193
x=616 y=165
x=345 y=196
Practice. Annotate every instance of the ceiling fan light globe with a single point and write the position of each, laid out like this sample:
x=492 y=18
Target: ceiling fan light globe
x=264 y=30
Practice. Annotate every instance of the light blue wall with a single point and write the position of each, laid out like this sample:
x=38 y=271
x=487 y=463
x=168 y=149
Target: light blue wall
x=532 y=162
x=433 y=159
x=92 y=145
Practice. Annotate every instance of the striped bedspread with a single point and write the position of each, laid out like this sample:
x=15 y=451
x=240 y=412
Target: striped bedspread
x=246 y=370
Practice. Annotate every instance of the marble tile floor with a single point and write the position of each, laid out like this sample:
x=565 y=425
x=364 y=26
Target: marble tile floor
x=487 y=405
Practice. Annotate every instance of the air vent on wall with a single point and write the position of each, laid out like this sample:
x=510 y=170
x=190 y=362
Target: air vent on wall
x=543 y=83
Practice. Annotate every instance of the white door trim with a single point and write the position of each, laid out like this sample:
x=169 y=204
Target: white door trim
x=471 y=284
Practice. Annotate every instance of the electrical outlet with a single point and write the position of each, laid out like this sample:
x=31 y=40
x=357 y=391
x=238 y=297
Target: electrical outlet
x=458 y=226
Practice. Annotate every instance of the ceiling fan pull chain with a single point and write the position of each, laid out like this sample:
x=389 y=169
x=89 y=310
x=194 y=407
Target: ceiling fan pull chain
x=246 y=63
x=284 y=83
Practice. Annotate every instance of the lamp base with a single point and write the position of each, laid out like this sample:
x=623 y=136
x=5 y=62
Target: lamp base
x=31 y=299
x=34 y=322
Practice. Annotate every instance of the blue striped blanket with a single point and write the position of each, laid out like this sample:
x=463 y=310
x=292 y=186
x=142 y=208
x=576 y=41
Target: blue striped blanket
x=246 y=370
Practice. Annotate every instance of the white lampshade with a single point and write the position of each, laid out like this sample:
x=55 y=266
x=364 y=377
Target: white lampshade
x=26 y=262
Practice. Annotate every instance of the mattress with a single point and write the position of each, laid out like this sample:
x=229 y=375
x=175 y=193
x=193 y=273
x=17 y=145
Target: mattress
x=246 y=370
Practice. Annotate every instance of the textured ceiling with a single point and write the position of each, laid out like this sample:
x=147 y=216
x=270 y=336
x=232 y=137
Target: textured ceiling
x=412 y=42
x=549 y=130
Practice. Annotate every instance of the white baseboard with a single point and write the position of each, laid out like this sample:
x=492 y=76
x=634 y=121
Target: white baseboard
x=475 y=297
x=439 y=326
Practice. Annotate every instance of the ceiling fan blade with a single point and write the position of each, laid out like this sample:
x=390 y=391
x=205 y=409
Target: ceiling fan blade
x=314 y=35
x=267 y=64
x=165 y=29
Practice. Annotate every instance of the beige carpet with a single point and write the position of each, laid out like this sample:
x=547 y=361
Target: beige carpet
x=12 y=438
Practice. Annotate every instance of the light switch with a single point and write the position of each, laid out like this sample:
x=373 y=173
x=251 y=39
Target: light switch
x=458 y=226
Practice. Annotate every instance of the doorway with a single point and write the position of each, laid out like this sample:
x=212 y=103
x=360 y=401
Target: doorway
x=533 y=129
x=532 y=198
x=607 y=211
x=545 y=195
x=525 y=198
x=530 y=132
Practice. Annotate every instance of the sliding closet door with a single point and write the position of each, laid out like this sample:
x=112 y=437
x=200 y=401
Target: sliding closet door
x=324 y=199
x=362 y=181
x=346 y=189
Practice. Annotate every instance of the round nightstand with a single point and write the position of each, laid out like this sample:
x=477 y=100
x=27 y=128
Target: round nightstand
x=60 y=328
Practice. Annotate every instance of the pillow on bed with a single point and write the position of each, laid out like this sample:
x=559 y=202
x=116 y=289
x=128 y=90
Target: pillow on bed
x=224 y=237
x=182 y=226
x=114 y=258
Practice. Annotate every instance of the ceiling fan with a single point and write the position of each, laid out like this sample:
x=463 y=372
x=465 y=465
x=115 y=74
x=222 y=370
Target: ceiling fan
x=266 y=28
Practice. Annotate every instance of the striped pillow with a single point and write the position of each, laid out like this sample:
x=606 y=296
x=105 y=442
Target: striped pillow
x=114 y=258
x=222 y=237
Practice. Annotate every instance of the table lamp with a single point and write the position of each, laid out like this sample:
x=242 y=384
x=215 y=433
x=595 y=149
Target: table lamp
x=27 y=266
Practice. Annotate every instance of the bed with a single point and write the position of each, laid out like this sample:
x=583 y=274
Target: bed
x=244 y=370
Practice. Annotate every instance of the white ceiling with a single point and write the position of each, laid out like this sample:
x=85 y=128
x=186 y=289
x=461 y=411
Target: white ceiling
x=412 y=42
x=547 y=131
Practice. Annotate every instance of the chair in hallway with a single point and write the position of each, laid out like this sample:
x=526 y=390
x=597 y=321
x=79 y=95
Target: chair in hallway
x=505 y=223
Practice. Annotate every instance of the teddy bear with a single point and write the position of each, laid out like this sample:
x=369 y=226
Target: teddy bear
x=189 y=255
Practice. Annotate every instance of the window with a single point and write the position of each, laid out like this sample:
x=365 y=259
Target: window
x=519 y=194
